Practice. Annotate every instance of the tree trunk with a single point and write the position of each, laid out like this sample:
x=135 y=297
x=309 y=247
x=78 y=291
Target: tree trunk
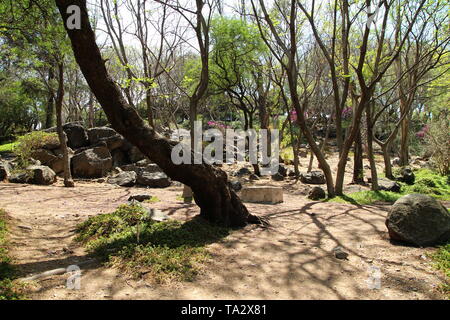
x=370 y=154
x=49 y=112
x=68 y=181
x=358 y=170
x=218 y=202
x=91 y=111
x=387 y=161
x=404 y=142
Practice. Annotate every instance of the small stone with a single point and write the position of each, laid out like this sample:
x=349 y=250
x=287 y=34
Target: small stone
x=26 y=227
x=140 y=197
x=339 y=253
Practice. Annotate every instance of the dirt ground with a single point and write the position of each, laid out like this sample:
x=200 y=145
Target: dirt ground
x=293 y=259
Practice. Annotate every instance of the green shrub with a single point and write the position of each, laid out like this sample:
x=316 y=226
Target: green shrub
x=438 y=137
x=427 y=182
x=30 y=142
x=442 y=262
x=166 y=251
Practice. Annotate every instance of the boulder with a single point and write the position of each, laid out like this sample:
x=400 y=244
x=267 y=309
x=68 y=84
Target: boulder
x=282 y=170
x=277 y=177
x=388 y=185
x=140 y=197
x=96 y=134
x=418 y=219
x=51 y=145
x=57 y=165
x=243 y=172
x=92 y=163
x=42 y=175
x=44 y=156
x=124 y=179
x=153 y=179
x=313 y=177
x=76 y=135
x=316 y=193
x=20 y=177
x=262 y=194
x=5 y=170
x=407 y=176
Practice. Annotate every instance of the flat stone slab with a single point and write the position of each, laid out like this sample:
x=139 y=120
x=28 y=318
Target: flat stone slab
x=262 y=194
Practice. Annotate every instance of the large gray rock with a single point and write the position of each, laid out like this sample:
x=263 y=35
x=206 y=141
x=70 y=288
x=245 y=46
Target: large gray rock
x=44 y=156
x=58 y=164
x=388 y=185
x=153 y=179
x=317 y=193
x=96 y=134
x=92 y=163
x=418 y=219
x=5 y=170
x=313 y=177
x=41 y=175
x=20 y=177
x=277 y=177
x=124 y=179
x=76 y=135
x=104 y=134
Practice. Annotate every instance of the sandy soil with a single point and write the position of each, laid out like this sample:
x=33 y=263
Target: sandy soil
x=293 y=259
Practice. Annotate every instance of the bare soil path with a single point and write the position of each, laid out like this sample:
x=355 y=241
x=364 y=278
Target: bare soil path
x=291 y=260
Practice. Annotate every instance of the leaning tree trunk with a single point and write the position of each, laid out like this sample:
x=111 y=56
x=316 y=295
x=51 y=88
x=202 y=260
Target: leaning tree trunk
x=68 y=181
x=217 y=201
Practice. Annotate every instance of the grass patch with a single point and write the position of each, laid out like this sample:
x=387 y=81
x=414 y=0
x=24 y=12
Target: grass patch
x=430 y=183
x=442 y=262
x=152 y=200
x=9 y=289
x=366 y=197
x=8 y=147
x=427 y=182
x=161 y=251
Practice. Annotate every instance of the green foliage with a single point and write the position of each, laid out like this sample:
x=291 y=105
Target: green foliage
x=438 y=138
x=442 y=262
x=170 y=250
x=427 y=182
x=30 y=142
x=430 y=183
x=8 y=147
x=15 y=110
x=366 y=197
x=9 y=289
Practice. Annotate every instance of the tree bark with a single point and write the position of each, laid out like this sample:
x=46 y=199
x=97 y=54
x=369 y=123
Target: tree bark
x=218 y=202
x=68 y=181
x=49 y=112
x=358 y=170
